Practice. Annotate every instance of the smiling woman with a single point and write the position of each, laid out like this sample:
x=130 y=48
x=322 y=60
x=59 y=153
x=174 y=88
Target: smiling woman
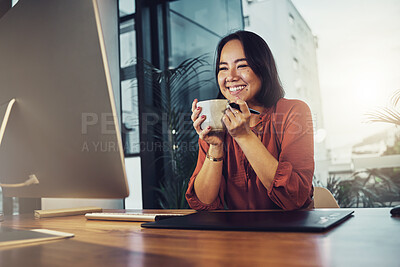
x=236 y=79
x=244 y=47
x=263 y=161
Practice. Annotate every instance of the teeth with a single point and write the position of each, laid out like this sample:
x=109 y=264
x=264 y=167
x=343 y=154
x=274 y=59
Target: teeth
x=237 y=88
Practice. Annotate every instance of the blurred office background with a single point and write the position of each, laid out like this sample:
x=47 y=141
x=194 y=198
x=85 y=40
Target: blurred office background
x=157 y=36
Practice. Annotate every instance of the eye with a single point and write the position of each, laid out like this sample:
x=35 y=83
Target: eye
x=243 y=66
x=223 y=68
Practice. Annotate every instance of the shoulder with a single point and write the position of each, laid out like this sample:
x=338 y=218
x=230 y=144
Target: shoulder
x=291 y=105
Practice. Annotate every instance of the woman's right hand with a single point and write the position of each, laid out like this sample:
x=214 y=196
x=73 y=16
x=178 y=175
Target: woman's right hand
x=209 y=137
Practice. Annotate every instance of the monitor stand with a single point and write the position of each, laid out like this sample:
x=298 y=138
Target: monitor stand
x=5 y=111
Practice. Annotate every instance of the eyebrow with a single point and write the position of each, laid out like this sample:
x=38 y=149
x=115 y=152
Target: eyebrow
x=236 y=61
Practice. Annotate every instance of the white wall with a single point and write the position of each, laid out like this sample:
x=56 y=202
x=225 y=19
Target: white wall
x=133 y=171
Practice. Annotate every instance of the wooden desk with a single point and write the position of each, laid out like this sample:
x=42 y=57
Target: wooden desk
x=370 y=238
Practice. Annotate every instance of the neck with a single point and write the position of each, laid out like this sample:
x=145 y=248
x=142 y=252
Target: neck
x=257 y=107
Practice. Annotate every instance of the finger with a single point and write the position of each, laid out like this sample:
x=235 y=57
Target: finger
x=195 y=114
x=226 y=121
x=243 y=106
x=198 y=122
x=194 y=104
x=205 y=132
x=234 y=110
x=232 y=114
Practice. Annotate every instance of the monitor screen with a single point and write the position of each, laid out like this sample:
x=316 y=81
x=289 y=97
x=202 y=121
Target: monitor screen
x=63 y=127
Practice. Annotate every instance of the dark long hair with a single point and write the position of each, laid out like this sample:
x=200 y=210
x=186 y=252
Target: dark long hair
x=261 y=61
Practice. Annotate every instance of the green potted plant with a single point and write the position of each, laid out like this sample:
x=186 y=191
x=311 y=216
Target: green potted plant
x=372 y=187
x=174 y=87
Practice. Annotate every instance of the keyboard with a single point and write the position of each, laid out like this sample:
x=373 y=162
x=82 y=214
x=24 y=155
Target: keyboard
x=131 y=217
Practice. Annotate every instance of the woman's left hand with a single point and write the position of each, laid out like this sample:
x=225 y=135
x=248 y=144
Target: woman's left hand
x=237 y=122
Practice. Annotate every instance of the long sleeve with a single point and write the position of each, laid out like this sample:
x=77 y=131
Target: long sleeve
x=292 y=185
x=191 y=196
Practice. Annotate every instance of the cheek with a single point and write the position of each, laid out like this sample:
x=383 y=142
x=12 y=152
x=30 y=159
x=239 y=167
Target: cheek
x=246 y=76
x=252 y=78
x=221 y=80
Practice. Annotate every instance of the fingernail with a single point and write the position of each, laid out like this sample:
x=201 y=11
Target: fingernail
x=203 y=116
x=209 y=127
x=198 y=108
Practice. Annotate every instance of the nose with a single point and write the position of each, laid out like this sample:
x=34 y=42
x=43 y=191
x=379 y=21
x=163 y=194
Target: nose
x=232 y=75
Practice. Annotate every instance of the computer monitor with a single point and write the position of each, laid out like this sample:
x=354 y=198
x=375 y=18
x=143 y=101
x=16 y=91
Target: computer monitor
x=63 y=127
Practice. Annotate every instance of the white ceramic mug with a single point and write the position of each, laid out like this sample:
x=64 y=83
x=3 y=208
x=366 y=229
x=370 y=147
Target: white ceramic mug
x=214 y=109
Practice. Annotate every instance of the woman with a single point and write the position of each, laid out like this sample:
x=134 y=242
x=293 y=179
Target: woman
x=261 y=161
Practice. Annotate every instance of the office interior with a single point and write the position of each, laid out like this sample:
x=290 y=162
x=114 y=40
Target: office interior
x=155 y=37
x=160 y=34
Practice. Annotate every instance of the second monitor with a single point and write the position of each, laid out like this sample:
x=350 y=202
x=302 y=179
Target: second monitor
x=63 y=127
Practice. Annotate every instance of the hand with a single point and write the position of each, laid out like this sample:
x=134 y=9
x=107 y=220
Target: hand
x=237 y=122
x=209 y=137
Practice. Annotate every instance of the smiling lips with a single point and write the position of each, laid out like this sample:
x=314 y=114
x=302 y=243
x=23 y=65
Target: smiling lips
x=234 y=90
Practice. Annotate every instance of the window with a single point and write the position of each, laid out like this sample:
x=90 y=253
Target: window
x=167 y=33
x=293 y=41
x=195 y=29
x=295 y=64
x=129 y=85
x=291 y=19
x=126 y=7
x=246 y=20
x=127 y=43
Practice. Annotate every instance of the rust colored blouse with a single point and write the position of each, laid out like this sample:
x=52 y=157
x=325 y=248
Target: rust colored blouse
x=286 y=130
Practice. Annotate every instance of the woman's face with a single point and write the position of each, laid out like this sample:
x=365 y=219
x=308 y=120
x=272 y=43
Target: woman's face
x=235 y=77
